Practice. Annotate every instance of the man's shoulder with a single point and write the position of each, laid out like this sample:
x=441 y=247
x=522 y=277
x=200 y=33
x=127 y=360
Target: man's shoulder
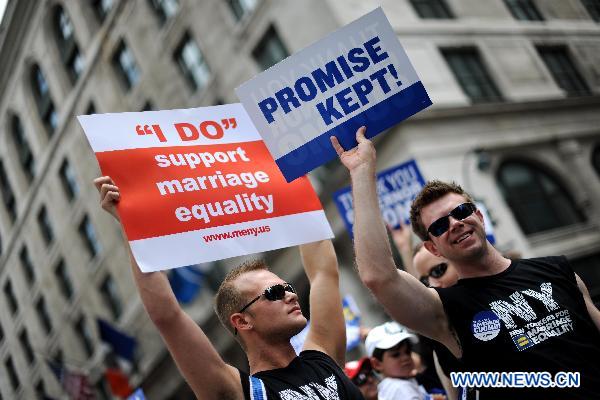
x=552 y=264
x=543 y=260
x=316 y=355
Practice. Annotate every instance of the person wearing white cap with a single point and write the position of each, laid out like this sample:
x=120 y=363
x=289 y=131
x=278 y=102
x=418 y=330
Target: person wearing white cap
x=390 y=346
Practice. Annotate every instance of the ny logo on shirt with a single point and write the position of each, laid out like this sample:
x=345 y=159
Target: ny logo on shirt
x=520 y=306
x=309 y=391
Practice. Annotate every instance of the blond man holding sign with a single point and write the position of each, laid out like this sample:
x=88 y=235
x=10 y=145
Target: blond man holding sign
x=263 y=312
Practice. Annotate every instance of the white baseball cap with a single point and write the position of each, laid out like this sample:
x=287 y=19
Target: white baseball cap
x=386 y=336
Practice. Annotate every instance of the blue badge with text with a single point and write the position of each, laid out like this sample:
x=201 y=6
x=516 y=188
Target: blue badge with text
x=485 y=325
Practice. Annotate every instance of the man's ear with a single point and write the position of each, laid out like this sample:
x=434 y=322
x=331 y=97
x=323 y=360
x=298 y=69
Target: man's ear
x=479 y=215
x=376 y=364
x=432 y=248
x=240 y=322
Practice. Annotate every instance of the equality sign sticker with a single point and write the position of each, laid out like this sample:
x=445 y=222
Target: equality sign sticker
x=199 y=185
x=396 y=189
x=357 y=75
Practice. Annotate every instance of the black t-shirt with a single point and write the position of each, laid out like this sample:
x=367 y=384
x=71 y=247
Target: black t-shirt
x=311 y=375
x=531 y=318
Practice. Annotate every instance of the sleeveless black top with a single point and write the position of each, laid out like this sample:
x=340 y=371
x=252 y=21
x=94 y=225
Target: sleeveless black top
x=531 y=317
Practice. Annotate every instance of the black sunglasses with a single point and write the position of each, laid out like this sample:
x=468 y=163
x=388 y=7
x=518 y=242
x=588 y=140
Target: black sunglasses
x=272 y=293
x=441 y=225
x=437 y=271
x=362 y=377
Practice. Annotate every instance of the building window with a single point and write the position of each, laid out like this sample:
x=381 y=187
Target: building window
x=8 y=197
x=67 y=45
x=563 y=70
x=110 y=295
x=22 y=147
x=40 y=390
x=102 y=8
x=64 y=280
x=12 y=373
x=165 y=9
x=27 y=265
x=524 y=10
x=43 y=315
x=241 y=8
x=68 y=180
x=538 y=201
x=88 y=235
x=91 y=109
x=270 y=49
x=192 y=63
x=593 y=8
x=11 y=300
x=26 y=346
x=596 y=159
x=45 y=106
x=148 y=106
x=471 y=74
x=125 y=66
x=1 y=333
x=58 y=356
x=45 y=226
x=432 y=9
x=84 y=335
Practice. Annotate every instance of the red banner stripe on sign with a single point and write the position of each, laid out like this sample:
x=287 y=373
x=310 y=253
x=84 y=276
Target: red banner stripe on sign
x=196 y=187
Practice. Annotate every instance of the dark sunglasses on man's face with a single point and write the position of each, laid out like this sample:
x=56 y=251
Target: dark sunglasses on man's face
x=441 y=225
x=436 y=272
x=272 y=293
x=362 y=377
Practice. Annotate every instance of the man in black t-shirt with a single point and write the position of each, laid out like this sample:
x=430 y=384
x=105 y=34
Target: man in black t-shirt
x=263 y=313
x=502 y=316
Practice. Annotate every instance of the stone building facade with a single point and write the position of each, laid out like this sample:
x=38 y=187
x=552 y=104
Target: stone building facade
x=515 y=120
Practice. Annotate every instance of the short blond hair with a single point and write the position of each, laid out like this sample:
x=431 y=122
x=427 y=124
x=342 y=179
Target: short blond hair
x=229 y=299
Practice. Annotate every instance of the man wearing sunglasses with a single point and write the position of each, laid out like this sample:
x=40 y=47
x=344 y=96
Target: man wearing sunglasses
x=263 y=313
x=531 y=315
x=433 y=271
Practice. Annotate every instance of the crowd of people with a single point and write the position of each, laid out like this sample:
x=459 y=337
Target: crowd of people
x=460 y=306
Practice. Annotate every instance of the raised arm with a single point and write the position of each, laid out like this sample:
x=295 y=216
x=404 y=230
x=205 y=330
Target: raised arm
x=402 y=295
x=327 y=331
x=204 y=370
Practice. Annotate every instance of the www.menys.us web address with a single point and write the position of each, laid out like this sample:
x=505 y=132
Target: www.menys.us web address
x=515 y=379
x=237 y=233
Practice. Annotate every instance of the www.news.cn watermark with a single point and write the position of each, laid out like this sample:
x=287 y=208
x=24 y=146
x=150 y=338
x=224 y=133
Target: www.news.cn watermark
x=515 y=379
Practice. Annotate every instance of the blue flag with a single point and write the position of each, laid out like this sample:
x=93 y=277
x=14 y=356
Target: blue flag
x=122 y=344
x=186 y=283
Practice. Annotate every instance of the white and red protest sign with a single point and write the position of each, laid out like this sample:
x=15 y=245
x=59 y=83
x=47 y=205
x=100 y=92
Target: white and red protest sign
x=199 y=185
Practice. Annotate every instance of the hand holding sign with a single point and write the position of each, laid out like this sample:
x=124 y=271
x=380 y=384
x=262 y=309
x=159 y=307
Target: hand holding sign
x=109 y=195
x=361 y=155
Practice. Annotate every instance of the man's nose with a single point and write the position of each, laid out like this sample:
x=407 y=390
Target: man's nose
x=289 y=297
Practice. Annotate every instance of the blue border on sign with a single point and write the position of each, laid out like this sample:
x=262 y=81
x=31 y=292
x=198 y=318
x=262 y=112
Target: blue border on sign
x=377 y=118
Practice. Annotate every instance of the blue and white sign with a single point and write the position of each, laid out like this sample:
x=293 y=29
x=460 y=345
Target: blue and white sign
x=352 y=319
x=357 y=75
x=487 y=222
x=396 y=188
